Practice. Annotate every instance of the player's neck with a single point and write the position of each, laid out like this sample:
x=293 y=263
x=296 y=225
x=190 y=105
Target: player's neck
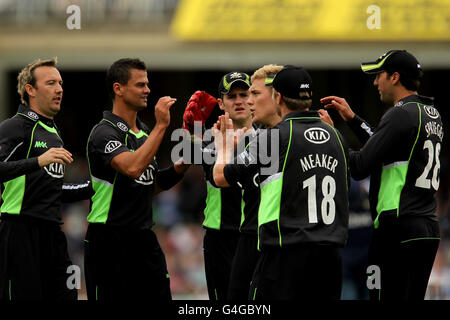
x=239 y=125
x=127 y=114
x=402 y=93
x=273 y=121
x=38 y=110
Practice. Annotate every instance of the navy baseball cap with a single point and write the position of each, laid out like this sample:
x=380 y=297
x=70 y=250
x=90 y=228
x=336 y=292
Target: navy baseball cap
x=291 y=81
x=232 y=78
x=400 y=61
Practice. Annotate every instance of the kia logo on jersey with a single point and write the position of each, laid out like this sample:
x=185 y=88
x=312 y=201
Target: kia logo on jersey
x=431 y=112
x=33 y=115
x=112 y=146
x=56 y=170
x=146 y=177
x=122 y=126
x=317 y=135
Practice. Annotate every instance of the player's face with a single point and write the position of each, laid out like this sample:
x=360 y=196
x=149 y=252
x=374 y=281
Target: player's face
x=263 y=108
x=235 y=103
x=136 y=91
x=385 y=88
x=46 y=95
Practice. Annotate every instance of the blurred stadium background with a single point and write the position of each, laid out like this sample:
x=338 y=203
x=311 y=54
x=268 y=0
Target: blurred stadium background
x=188 y=45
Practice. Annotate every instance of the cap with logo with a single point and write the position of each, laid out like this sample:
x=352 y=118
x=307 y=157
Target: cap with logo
x=400 y=61
x=233 y=78
x=268 y=81
x=292 y=81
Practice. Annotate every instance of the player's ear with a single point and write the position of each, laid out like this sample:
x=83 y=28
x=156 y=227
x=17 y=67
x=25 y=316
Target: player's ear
x=395 y=78
x=30 y=90
x=278 y=98
x=220 y=102
x=117 y=87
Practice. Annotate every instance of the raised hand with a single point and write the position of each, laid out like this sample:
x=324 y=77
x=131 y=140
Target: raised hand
x=325 y=117
x=198 y=108
x=224 y=138
x=162 y=110
x=339 y=104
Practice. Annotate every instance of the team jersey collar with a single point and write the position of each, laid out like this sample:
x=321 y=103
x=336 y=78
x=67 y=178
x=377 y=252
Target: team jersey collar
x=301 y=114
x=415 y=98
x=30 y=114
x=122 y=124
x=252 y=132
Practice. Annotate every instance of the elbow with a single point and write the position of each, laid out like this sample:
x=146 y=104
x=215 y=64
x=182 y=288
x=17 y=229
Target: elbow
x=219 y=180
x=127 y=165
x=134 y=172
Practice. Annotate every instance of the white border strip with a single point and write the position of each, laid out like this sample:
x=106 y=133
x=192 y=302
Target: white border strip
x=271 y=178
x=14 y=150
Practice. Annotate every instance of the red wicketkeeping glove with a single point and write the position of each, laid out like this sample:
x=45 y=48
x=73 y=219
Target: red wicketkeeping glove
x=198 y=108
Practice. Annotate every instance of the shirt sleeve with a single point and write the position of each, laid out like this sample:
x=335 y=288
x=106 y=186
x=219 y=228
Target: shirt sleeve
x=346 y=154
x=12 y=141
x=390 y=137
x=168 y=177
x=13 y=169
x=107 y=143
x=208 y=154
x=361 y=128
x=12 y=151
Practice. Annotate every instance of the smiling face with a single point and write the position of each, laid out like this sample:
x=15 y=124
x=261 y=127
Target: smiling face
x=235 y=103
x=45 y=95
x=135 y=92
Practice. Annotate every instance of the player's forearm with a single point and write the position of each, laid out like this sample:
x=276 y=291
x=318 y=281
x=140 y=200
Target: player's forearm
x=218 y=175
x=360 y=128
x=133 y=164
x=145 y=154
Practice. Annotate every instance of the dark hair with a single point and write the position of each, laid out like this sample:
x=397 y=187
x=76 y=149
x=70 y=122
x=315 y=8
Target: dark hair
x=119 y=72
x=410 y=83
x=297 y=104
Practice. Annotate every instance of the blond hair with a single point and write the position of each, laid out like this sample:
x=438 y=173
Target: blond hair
x=26 y=76
x=265 y=71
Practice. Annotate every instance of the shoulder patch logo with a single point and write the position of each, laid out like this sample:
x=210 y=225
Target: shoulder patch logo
x=112 y=146
x=431 y=112
x=122 y=126
x=317 y=135
x=33 y=115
